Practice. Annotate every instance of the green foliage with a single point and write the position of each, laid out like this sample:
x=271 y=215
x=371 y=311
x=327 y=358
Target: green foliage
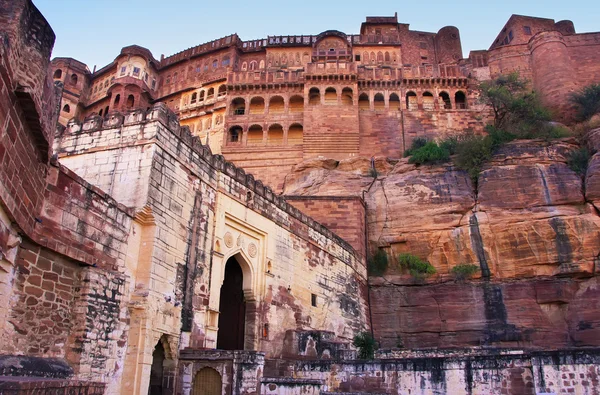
x=378 y=263
x=472 y=152
x=449 y=144
x=578 y=160
x=416 y=144
x=463 y=271
x=418 y=268
x=366 y=345
x=429 y=153
x=517 y=110
x=587 y=101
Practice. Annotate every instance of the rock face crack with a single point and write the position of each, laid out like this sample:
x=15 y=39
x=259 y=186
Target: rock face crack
x=477 y=245
x=385 y=222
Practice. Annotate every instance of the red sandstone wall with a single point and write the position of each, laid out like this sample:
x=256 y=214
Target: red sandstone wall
x=331 y=129
x=345 y=216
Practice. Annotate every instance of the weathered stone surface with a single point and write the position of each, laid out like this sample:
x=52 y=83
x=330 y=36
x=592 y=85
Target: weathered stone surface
x=592 y=178
x=544 y=313
x=527 y=219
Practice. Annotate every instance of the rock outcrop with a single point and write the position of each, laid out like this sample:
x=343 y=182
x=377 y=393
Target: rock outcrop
x=530 y=225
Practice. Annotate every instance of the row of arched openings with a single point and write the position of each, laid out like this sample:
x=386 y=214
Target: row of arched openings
x=412 y=103
x=275 y=135
x=257 y=105
x=207 y=94
x=58 y=75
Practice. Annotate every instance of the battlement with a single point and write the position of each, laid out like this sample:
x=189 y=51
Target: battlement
x=201 y=49
x=96 y=126
x=26 y=43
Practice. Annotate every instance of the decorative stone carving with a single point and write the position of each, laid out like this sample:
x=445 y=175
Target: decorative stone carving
x=228 y=239
x=252 y=250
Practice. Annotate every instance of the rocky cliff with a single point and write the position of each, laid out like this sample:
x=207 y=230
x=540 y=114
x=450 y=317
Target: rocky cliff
x=531 y=225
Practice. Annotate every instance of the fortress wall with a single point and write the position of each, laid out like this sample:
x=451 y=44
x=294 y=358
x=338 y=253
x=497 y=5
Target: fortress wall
x=381 y=133
x=584 y=52
x=269 y=164
x=62 y=241
x=343 y=215
x=507 y=59
x=459 y=372
x=331 y=127
x=199 y=210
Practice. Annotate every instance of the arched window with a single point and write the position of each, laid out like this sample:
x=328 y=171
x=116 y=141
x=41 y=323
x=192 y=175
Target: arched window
x=379 y=57
x=461 y=100
x=253 y=65
x=276 y=105
x=330 y=96
x=387 y=57
x=130 y=101
x=238 y=106
x=314 y=96
x=255 y=135
x=66 y=109
x=106 y=111
x=428 y=102
x=210 y=94
x=244 y=66
x=347 y=97
x=379 y=102
x=275 y=135
x=373 y=58
x=201 y=96
x=257 y=105
x=411 y=101
x=225 y=62
x=117 y=100
x=57 y=74
x=215 y=64
x=207 y=382
x=261 y=65
x=365 y=58
x=295 y=134
x=174 y=78
x=100 y=112
x=363 y=102
x=446 y=100
x=194 y=98
x=235 y=134
x=222 y=91
x=296 y=104
x=394 y=102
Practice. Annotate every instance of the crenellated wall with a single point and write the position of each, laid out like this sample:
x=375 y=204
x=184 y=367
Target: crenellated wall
x=196 y=211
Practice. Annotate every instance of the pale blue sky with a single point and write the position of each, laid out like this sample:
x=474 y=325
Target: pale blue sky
x=95 y=31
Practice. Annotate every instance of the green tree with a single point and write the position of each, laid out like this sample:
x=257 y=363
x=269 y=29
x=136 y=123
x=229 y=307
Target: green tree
x=516 y=109
x=366 y=345
x=587 y=101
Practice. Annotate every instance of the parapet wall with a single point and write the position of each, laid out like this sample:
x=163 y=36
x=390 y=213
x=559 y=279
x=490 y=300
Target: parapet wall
x=77 y=139
x=460 y=372
x=205 y=210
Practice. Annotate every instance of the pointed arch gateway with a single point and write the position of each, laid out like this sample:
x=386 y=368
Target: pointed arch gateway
x=237 y=308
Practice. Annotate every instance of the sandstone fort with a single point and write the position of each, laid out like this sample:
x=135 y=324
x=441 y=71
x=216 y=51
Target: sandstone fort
x=209 y=222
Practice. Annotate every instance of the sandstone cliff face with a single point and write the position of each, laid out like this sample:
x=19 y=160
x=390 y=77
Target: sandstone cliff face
x=530 y=226
x=592 y=181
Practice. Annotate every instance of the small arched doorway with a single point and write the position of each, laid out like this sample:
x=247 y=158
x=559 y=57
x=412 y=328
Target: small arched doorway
x=232 y=308
x=157 y=370
x=207 y=382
